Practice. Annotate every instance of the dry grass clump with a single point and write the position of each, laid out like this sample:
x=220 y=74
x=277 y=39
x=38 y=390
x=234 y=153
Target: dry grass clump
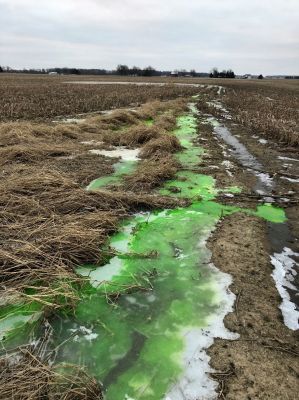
x=166 y=122
x=154 y=108
x=82 y=168
x=151 y=173
x=63 y=239
x=31 y=143
x=109 y=122
x=25 y=374
x=132 y=137
x=32 y=153
x=140 y=134
x=164 y=144
x=21 y=133
x=120 y=118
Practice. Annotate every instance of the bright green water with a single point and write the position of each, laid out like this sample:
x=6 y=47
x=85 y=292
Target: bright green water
x=129 y=327
x=121 y=169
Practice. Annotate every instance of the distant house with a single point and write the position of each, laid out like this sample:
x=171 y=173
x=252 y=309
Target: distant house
x=174 y=74
x=53 y=73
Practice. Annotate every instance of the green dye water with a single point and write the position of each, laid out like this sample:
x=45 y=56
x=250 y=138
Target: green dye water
x=121 y=169
x=149 y=121
x=129 y=327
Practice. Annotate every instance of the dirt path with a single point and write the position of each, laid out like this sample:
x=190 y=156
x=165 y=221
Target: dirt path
x=263 y=363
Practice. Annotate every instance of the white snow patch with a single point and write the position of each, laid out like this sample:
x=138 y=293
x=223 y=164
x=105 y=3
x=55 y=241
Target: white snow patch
x=263 y=141
x=91 y=142
x=227 y=164
x=122 y=152
x=290 y=179
x=195 y=383
x=265 y=178
x=288 y=158
x=283 y=275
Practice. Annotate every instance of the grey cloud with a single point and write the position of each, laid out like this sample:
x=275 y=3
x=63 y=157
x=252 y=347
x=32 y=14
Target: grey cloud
x=250 y=36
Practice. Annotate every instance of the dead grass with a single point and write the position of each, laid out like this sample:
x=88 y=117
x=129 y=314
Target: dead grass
x=151 y=173
x=132 y=137
x=31 y=153
x=21 y=133
x=163 y=145
x=40 y=97
x=26 y=375
x=82 y=168
x=268 y=111
x=277 y=118
x=49 y=224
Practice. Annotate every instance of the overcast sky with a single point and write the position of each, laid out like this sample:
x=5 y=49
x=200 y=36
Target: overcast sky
x=254 y=36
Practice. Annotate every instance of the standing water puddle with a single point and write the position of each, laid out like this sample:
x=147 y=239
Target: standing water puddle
x=146 y=317
x=126 y=165
x=264 y=183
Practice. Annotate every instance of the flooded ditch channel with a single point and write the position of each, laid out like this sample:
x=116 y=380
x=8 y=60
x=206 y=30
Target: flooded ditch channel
x=147 y=316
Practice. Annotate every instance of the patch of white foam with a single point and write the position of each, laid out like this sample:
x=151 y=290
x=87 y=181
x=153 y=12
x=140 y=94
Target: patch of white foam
x=83 y=333
x=122 y=152
x=284 y=275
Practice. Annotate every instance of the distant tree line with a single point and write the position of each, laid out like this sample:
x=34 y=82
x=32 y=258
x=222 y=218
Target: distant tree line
x=121 y=69
x=124 y=70
x=223 y=74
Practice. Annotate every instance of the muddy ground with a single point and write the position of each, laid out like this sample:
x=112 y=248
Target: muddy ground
x=263 y=363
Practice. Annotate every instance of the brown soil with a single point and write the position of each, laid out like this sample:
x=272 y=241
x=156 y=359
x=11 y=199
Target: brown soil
x=262 y=364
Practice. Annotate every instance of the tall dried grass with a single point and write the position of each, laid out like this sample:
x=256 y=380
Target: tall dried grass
x=269 y=111
x=41 y=97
